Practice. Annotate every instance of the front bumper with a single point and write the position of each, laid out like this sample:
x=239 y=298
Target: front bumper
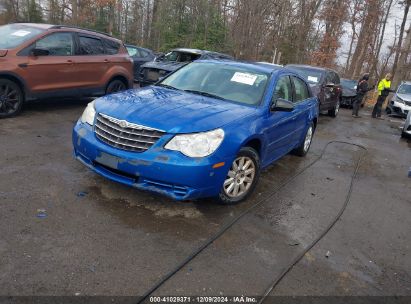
x=398 y=108
x=157 y=170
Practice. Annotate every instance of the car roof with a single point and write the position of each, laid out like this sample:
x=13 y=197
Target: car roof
x=265 y=68
x=196 y=51
x=268 y=64
x=306 y=66
x=406 y=82
x=73 y=28
x=37 y=25
x=84 y=31
x=192 y=51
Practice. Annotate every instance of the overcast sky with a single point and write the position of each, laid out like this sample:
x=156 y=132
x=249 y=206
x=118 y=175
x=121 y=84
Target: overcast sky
x=396 y=15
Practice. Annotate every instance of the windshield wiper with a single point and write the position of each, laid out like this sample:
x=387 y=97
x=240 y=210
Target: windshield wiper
x=166 y=86
x=205 y=94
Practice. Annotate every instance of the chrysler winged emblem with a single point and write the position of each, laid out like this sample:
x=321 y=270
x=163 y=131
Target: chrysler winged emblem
x=122 y=123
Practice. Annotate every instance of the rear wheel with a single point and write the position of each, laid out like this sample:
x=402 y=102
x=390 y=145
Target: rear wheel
x=306 y=144
x=241 y=178
x=334 y=111
x=11 y=98
x=115 y=86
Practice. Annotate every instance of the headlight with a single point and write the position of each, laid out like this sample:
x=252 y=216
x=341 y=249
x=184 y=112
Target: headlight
x=196 y=144
x=397 y=99
x=88 y=114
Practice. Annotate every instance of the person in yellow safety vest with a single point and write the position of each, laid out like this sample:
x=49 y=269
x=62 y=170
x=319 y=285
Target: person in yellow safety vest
x=384 y=88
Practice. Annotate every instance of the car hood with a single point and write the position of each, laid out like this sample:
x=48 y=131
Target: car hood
x=169 y=66
x=406 y=97
x=171 y=111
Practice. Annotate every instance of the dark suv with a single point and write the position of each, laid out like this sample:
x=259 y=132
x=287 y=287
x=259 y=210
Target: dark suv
x=42 y=61
x=324 y=83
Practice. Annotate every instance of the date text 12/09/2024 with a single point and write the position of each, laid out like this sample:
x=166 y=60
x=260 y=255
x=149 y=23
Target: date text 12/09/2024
x=203 y=299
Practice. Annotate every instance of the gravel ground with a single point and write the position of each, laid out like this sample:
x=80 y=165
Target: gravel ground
x=97 y=237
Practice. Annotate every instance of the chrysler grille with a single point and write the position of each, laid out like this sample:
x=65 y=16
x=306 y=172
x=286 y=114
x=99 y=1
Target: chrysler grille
x=125 y=135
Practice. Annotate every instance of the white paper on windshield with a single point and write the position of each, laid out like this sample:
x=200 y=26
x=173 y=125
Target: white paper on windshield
x=312 y=79
x=20 y=33
x=244 y=78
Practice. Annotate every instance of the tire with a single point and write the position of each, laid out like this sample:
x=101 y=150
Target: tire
x=303 y=149
x=388 y=110
x=115 y=85
x=232 y=191
x=334 y=111
x=11 y=98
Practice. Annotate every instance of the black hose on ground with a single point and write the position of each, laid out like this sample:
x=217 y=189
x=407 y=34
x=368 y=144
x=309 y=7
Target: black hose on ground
x=227 y=226
x=298 y=258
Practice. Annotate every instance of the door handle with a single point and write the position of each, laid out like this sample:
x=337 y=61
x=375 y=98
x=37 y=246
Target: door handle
x=23 y=65
x=106 y=61
x=70 y=62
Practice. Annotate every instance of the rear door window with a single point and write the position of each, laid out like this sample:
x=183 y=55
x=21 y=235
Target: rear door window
x=58 y=44
x=90 y=46
x=111 y=47
x=300 y=89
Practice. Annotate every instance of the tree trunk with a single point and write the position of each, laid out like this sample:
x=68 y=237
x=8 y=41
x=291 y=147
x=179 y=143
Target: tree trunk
x=401 y=72
x=398 y=50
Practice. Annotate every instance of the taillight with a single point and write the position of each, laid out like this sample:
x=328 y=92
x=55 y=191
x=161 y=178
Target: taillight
x=3 y=53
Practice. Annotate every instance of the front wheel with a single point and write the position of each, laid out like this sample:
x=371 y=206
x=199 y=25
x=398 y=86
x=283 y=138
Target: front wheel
x=306 y=144
x=241 y=178
x=11 y=98
x=334 y=111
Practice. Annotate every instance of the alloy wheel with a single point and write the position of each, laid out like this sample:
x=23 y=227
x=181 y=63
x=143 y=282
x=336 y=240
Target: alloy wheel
x=9 y=99
x=308 y=139
x=240 y=177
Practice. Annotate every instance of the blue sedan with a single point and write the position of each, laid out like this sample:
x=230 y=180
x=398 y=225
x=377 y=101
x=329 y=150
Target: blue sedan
x=205 y=130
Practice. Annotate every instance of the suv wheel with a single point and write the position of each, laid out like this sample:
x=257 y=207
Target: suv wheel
x=115 y=86
x=11 y=98
x=241 y=178
x=334 y=111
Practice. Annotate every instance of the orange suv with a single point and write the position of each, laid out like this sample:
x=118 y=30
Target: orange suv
x=43 y=61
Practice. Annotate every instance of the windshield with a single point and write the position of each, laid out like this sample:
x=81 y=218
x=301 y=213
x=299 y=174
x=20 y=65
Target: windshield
x=180 y=56
x=12 y=35
x=347 y=83
x=312 y=76
x=221 y=81
x=404 y=89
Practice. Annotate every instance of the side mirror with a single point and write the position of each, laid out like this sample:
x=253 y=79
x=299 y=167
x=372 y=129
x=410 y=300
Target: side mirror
x=282 y=105
x=40 y=52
